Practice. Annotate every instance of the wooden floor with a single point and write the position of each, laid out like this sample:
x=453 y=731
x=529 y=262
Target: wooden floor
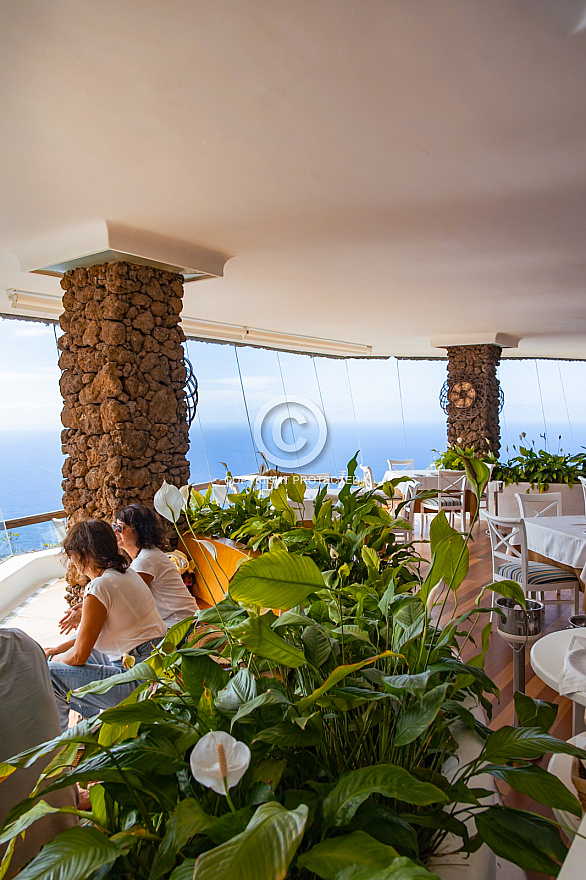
x=499 y=660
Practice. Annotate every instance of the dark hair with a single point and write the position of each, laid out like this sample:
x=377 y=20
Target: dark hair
x=94 y=542
x=145 y=522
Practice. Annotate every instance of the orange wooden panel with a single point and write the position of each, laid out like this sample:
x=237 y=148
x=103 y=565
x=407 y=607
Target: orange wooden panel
x=212 y=576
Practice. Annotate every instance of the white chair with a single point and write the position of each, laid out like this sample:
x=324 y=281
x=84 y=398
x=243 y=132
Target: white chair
x=539 y=504
x=408 y=511
x=400 y=464
x=510 y=562
x=369 y=482
x=451 y=496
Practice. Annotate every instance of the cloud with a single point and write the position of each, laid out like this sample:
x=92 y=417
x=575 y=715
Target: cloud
x=30 y=328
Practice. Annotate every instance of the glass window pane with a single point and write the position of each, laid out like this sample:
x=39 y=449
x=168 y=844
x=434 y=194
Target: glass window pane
x=30 y=427
x=220 y=431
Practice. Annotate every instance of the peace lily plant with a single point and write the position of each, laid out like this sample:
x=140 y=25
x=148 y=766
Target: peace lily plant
x=337 y=719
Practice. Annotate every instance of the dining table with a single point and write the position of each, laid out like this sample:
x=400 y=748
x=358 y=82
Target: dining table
x=559 y=539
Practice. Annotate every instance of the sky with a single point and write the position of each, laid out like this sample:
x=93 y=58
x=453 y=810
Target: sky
x=539 y=394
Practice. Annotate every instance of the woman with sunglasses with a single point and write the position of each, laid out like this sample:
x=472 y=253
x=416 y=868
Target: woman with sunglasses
x=139 y=533
x=118 y=617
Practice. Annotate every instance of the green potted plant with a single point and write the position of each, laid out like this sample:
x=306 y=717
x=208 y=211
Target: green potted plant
x=333 y=724
x=533 y=470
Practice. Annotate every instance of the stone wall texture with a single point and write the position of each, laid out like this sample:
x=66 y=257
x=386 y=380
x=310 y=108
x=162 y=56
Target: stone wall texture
x=123 y=378
x=477 y=426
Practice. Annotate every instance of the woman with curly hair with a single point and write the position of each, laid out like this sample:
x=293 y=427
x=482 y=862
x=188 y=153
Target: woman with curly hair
x=118 y=617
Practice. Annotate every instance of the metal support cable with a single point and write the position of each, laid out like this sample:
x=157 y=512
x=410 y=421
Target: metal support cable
x=254 y=450
x=401 y=405
x=287 y=403
x=323 y=409
x=542 y=406
x=566 y=406
x=353 y=410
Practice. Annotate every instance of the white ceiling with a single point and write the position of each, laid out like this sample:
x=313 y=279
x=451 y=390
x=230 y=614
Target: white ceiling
x=382 y=171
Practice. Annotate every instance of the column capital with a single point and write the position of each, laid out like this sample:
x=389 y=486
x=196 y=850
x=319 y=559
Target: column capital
x=452 y=340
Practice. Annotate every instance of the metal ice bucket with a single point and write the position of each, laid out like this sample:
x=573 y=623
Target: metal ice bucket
x=577 y=620
x=518 y=622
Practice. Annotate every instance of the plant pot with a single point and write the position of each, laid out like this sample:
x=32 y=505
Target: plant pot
x=502 y=502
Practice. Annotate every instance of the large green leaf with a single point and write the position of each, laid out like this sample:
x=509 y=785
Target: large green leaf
x=525 y=839
x=276 y=580
x=508 y=743
x=411 y=684
x=535 y=713
x=456 y=560
x=400 y=869
x=537 y=783
x=73 y=855
x=387 y=779
x=439 y=530
x=338 y=675
x=260 y=639
x=187 y=819
x=264 y=850
x=37 y=810
x=271 y=697
x=201 y=671
x=508 y=589
x=140 y=672
x=316 y=645
x=240 y=690
x=295 y=486
x=286 y=735
x=326 y=859
x=146 y=712
x=417 y=718
x=279 y=501
x=81 y=733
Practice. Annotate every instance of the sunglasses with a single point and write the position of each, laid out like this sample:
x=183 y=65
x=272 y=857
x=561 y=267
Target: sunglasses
x=117 y=528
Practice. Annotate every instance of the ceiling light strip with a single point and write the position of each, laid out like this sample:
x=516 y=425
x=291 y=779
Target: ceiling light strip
x=270 y=338
x=41 y=303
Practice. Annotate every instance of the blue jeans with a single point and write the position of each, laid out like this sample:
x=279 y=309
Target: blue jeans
x=65 y=678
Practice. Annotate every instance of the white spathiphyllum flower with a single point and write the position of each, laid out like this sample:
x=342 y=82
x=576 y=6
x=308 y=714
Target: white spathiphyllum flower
x=169 y=502
x=218 y=757
x=431 y=598
x=185 y=493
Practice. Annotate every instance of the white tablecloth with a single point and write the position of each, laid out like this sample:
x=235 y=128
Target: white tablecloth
x=560 y=538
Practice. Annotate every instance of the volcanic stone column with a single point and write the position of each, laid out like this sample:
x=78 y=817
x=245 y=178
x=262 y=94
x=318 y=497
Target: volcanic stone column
x=124 y=412
x=474 y=397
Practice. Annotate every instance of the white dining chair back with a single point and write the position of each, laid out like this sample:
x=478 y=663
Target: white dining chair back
x=539 y=504
x=400 y=464
x=407 y=511
x=451 y=495
x=369 y=482
x=510 y=561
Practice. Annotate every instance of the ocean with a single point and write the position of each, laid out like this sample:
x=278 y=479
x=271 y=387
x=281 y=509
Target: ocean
x=31 y=462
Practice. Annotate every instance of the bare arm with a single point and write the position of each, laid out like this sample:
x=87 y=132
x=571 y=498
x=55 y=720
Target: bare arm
x=70 y=619
x=93 y=617
x=52 y=652
x=147 y=578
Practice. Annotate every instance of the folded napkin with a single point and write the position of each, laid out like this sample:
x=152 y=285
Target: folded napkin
x=573 y=675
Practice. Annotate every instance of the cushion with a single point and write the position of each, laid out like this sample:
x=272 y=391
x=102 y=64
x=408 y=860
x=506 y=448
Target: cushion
x=446 y=502
x=538 y=573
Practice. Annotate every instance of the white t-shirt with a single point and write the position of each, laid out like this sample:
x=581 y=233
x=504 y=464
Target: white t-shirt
x=172 y=598
x=132 y=614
